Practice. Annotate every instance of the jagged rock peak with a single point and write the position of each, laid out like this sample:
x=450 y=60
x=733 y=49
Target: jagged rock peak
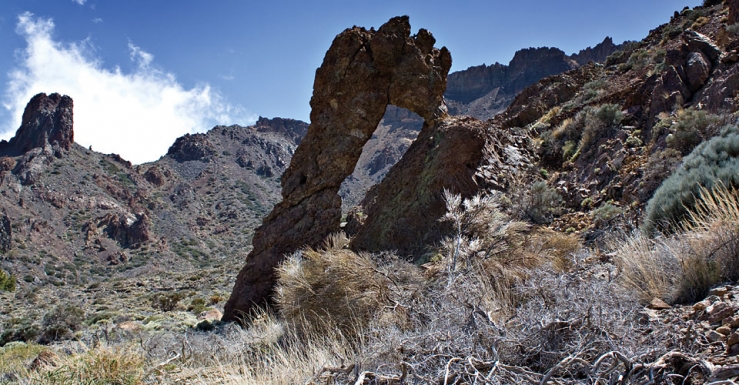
x=597 y=54
x=47 y=121
x=295 y=129
x=362 y=73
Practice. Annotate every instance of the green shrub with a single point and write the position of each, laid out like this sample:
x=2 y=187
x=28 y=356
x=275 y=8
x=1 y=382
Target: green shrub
x=690 y=128
x=599 y=122
x=542 y=203
x=61 y=322
x=716 y=160
x=167 y=301
x=197 y=306
x=603 y=214
x=711 y=3
x=19 y=330
x=7 y=281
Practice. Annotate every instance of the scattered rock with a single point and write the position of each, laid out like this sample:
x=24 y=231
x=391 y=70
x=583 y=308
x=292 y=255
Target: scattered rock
x=700 y=306
x=719 y=291
x=658 y=304
x=718 y=311
x=210 y=315
x=714 y=336
x=725 y=330
x=733 y=339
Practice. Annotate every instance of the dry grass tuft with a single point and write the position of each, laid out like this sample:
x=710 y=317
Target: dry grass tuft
x=101 y=365
x=683 y=267
x=318 y=289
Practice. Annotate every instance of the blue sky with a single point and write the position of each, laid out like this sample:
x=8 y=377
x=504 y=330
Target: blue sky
x=159 y=69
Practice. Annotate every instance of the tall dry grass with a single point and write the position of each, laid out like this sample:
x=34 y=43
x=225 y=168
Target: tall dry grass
x=683 y=267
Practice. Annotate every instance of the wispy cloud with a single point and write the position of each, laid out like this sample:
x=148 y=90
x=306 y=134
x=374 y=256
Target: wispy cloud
x=137 y=115
x=97 y=20
x=80 y=2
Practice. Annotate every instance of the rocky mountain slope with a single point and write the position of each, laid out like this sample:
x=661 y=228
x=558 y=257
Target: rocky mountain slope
x=75 y=216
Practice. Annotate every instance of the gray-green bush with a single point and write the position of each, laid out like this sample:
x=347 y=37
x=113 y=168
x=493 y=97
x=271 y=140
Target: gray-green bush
x=714 y=161
x=7 y=281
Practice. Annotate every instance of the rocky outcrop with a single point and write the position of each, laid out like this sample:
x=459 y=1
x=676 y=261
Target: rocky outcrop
x=597 y=54
x=47 y=122
x=291 y=128
x=191 y=147
x=127 y=231
x=461 y=154
x=698 y=69
x=362 y=73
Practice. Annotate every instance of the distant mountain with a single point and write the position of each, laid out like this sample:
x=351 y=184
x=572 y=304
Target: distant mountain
x=485 y=91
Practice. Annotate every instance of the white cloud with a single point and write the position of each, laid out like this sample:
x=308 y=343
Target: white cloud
x=80 y=2
x=137 y=115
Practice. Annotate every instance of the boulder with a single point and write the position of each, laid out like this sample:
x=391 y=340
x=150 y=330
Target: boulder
x=699 y=42
x=362 y=73
x=698 y=70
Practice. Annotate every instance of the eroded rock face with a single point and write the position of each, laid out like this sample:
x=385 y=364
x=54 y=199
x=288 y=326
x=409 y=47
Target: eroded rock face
x=460 y=154
x=362 y=73
x=47 y=122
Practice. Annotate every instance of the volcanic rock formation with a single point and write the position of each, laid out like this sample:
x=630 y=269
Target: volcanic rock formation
x=362 y=73
x=461 y=154
x=47 y=121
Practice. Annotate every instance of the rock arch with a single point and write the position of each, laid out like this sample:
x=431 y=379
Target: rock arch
x=362 y=73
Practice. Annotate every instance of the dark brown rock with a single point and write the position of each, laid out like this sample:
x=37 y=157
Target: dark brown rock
x=733 y=12
x=155 y=176
x=698 y=70
x=699 y=42
x=47 y=121
x=403 y=211
x=362 y=73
